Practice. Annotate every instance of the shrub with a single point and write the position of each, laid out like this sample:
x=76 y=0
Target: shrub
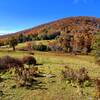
x=29 y=45
x=96 y=47
x=97 y=88
x=8 y=62
x=79 y=76
x=25 y=76
x=55 y=46
x=41 y=47
x=98 y=61
x=29 y=60
x=82 y=76
x=68 y=73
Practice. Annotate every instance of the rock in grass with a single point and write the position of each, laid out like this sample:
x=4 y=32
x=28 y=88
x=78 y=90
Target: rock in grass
x=50 y=76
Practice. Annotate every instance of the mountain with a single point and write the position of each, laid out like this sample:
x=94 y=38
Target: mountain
x=81 y=24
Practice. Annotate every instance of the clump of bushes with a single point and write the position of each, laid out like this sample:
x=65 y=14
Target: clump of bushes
x=68 y=74
x=41 y=47
x=8 y=62
x=25 y=76
x=79 y=76
x=29 y=60
x=82 y=75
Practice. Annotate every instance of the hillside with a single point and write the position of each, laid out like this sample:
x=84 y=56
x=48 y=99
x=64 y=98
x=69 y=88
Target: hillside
x=73 y=34
x=70 y=24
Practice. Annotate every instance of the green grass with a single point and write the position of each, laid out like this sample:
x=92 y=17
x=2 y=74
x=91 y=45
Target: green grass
x=51 y=88
x=22 y=45
x=45 y=42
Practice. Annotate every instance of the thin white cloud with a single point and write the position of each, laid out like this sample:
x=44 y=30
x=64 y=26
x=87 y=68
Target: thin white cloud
x=2 y=32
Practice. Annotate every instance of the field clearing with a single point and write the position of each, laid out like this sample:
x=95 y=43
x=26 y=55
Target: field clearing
x=50 y=88
x=44 y=42
x=25 y=44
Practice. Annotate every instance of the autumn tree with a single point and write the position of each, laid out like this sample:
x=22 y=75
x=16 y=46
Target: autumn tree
x=96 y=45
x=66 y=42
x=1 y=43
x=13 y=42
x=96 y=48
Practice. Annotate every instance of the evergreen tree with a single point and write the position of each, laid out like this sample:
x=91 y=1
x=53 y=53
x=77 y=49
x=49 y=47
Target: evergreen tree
x=21 y=38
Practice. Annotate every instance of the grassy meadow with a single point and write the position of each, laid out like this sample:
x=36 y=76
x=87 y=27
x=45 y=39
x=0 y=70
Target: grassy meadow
x=50 y=88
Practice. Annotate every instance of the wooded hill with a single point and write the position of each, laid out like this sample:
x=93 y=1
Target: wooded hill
x=70 y=24
x=71 y=34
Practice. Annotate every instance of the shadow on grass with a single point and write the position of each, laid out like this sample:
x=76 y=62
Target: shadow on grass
x=40 y=74
x=38 y=85
x=39 y=64
x=33 y=85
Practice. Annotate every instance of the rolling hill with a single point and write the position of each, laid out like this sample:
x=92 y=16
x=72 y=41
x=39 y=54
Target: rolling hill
x=81 y=24
x=72 y=34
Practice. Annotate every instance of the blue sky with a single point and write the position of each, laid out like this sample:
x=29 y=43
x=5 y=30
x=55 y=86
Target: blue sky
x=17 y=15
